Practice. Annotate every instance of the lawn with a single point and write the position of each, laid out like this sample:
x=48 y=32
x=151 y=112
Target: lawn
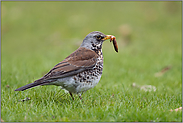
x=38 y=35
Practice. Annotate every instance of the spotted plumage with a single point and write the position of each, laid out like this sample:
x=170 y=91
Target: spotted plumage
x=80 y=71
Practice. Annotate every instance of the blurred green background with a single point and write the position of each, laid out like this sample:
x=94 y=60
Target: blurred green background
x=38 y=35
x=33 y=25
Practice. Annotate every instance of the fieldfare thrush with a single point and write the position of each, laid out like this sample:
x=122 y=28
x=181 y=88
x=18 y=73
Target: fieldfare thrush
x=81 y=70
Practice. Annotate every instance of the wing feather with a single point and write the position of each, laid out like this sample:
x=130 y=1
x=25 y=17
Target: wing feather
x=80 y=60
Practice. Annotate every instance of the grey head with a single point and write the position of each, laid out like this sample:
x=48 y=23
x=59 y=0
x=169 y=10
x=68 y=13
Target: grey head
x=94 y=41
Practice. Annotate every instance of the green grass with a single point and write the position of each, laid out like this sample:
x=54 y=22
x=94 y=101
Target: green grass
x=38 y=35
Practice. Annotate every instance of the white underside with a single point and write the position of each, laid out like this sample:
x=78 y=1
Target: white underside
x=69 y=84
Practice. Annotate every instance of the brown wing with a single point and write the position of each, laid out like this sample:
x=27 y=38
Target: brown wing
x=80 y=60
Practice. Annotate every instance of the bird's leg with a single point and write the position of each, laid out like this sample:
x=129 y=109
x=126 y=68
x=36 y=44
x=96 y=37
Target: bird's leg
x=71 y=95
x=80 y=95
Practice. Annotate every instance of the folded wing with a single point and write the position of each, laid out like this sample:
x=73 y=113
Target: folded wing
x=80 y=60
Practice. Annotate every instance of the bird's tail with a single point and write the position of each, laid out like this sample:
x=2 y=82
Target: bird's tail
x=36 y=83
x=27 y=86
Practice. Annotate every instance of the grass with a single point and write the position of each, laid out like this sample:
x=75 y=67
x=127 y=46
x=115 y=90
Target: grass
x=38 y=35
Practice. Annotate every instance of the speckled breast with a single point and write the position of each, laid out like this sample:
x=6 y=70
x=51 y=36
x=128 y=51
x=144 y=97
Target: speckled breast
x=89 y=79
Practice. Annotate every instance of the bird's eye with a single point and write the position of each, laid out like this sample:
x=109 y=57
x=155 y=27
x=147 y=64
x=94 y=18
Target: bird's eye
x=98 y=37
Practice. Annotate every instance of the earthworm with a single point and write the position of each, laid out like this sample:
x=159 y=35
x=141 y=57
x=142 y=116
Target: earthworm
x=115 y=45
x=113 y=39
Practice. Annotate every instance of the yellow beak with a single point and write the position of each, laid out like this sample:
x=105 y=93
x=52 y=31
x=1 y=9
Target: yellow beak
x=111 y=37
x=108 y=37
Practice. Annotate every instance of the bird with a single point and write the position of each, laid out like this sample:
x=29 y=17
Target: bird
x=80 y=71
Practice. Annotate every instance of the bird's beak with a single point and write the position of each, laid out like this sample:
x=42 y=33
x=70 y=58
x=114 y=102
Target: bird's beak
x=111 y=37
x=107 y=37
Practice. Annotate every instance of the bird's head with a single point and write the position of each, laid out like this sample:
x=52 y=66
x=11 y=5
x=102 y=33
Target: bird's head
x=94 y=40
